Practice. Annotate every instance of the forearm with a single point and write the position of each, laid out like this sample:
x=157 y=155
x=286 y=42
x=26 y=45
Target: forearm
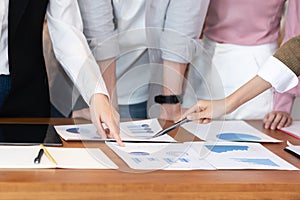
x=245 y=93
x=108 y=70
x=65 y=27
x=173 y=77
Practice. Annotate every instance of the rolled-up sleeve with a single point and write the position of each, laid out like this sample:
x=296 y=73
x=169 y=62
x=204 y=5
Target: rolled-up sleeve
x=278 y=75
x=183 y=23
x=99 y=28
x=71 y=48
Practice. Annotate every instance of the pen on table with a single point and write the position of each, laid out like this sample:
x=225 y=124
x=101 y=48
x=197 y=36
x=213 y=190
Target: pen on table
x=37 y=160
x=170 y=128
x=46 y=152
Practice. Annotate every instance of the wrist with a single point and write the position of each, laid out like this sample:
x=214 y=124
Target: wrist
x=170 y=111
x=230 y=105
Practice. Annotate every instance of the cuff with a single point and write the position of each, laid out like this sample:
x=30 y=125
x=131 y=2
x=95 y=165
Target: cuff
x=278 y=75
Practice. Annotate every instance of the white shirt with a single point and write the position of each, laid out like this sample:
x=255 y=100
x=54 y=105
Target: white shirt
x=69 y=44
x=4 y=69
x=133 y=70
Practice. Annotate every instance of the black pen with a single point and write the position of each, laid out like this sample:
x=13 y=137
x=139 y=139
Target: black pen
x=37 y=160
x=170 y=128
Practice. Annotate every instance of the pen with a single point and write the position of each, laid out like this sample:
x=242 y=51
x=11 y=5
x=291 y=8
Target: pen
x=170 y=128
x=37 y=160
x=48 y=154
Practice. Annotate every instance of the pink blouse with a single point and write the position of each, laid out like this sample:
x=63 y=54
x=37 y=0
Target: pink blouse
x=248 y=22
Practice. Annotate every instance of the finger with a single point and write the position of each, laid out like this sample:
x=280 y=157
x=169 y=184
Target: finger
x=199 y=115
x=206 y=121
x=266 y=118
x=115 y=132
x=107 y=132
x=269 y=120
x=289 y=122
x=189 y=111
x=98 y=124
x=282 y=122
x=276 y=121
x=200 y=121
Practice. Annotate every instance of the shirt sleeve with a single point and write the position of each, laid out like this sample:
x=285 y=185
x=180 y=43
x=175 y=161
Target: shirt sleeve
x=183 y=23
x=71 y=48
x=278 y=75
x=99 y=28
x=283 y=102
x=292 y=27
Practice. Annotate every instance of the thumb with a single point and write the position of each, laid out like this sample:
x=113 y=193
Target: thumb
x=187 y=113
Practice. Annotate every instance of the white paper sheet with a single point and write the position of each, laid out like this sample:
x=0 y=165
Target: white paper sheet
x=76 y=158
x=145 y=156
x=235 y=131
x=293 y=129
x=242 y=155
x=294 y=149
x=199 y=155
x=141 y=130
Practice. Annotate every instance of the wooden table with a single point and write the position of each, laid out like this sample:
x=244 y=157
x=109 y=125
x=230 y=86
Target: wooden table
x=128 y=184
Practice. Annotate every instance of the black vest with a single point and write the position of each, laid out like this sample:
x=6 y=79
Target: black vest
x=29 y=94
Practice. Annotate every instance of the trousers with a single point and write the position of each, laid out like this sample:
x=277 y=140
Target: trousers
x=5 y=84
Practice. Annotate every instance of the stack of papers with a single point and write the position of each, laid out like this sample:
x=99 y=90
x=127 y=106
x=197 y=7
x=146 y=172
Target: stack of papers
x=293 y=130
x=74 y=158
x=141 y=130
x=199 y=155
x=234 y=131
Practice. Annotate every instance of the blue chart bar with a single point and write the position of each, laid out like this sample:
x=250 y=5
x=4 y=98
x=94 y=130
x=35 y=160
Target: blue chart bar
x=140 y=129
x=257 y=161
x=77 y=130
x=237 y=137
x=73 y=130
x=139 y=153
x=226 y=148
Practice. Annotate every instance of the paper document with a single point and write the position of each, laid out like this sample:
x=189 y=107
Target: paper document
x=293 y=130
x=76 y=158
x=172 y=156
x=295 y=150
x=243 y=155
x=141 y=130
x=199 y=155
x=234 y=131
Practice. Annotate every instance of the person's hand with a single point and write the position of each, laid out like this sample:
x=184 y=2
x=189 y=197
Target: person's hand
x=83 y=113
x=101 y=111
x=204 y=111
x=277 y=119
